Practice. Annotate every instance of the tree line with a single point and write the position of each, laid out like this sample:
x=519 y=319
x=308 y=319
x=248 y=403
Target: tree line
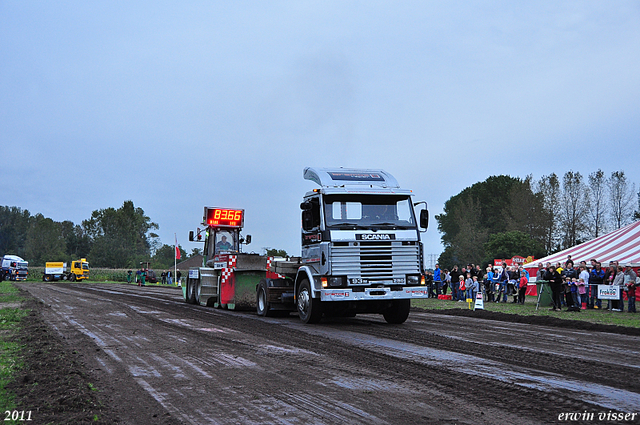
x=113 y=238
x=506 y=216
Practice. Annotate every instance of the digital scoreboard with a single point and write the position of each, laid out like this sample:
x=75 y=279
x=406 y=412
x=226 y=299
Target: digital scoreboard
x=223 y=217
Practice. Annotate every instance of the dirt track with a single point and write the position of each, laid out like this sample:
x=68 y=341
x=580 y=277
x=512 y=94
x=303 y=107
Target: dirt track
x=157 y=359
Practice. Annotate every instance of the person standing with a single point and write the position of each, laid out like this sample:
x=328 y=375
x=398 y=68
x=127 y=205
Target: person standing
x=555 y=282
x=455 y=282
x=488 y=284
x=609 y=278
x=630 y=287
x=446 y=282
x=584 y=287
x=163 y=275
x=437 y=279
x=428 y=281
x=629 y=277
x=503 y=280
x=169 y=276
x=596 y=277
x=522 y=289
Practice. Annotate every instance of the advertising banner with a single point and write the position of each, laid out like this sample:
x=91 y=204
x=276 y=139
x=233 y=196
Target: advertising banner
x=608 y=292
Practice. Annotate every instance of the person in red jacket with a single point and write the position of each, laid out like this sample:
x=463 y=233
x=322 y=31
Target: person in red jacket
x=522 y=287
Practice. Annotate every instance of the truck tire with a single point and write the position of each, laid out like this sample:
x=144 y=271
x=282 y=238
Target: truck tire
x=72 y=278
x=263 y=307
x=197 y=290
x=191 y=293
x=309 y=309
x=46 y=278
x=398 y=312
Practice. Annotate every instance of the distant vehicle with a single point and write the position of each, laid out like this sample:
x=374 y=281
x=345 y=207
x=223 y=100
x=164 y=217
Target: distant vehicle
x=14 y=268
x=151 y=277
x=54 y=271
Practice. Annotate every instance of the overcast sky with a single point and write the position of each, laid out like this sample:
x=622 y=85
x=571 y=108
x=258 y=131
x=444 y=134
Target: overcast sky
x=178 y=105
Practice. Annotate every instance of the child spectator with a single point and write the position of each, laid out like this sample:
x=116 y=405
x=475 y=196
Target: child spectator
x=468 y=283
x=573 y=287
x=462 y=289
x=475 y=287
x=522 y=287
x=582 y=293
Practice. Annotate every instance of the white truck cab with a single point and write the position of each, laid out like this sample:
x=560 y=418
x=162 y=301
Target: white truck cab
x=361 y=242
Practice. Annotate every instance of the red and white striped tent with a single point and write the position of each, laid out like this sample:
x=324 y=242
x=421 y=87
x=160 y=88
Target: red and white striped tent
x=622 y=245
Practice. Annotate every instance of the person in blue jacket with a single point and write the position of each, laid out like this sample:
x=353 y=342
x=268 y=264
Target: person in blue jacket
x=437 y=279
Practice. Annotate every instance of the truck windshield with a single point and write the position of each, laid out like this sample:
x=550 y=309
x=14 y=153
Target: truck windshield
x=22 y=266
x=367 y=211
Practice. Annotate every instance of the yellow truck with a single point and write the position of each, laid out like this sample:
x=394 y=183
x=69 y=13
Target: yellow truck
x=57 y=270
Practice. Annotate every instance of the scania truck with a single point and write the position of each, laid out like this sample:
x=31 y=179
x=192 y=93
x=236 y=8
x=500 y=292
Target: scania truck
x=361 y=253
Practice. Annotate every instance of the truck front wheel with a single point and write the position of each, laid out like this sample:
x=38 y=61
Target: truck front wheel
x=46 y=278
x=72 y=278
x=309 y=309
x=398 y=312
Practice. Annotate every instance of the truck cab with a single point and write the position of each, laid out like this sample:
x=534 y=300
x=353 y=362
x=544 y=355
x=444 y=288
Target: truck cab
x=361 y=243
x=79 y=269
x=14 y=268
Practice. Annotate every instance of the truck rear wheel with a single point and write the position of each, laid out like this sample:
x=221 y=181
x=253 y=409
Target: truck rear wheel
x=191 y=297
x=46 y=278
x=263 y=307
x=197 y=290
x=309 y=309
x=398 y=312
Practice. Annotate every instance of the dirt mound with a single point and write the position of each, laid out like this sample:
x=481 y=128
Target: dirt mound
x=52 y=383
x=538 y=320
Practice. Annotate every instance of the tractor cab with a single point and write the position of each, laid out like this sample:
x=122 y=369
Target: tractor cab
x=221 y=233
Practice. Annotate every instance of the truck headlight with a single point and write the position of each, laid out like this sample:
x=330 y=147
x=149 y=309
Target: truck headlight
x=413 y=280
x=336 y=281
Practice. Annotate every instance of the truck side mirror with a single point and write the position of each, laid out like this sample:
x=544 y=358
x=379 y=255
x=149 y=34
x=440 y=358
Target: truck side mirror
x=305 y=206
x=247 y=239
x=190 y=235
x=424 y=219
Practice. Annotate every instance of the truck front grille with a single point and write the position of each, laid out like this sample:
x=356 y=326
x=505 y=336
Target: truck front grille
x=375 y=261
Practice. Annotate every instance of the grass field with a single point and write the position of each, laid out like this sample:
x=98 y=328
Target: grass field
x=10 y=316
x=602 y=316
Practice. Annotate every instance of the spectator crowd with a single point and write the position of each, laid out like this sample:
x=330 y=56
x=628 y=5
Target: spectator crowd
x=572 y=286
